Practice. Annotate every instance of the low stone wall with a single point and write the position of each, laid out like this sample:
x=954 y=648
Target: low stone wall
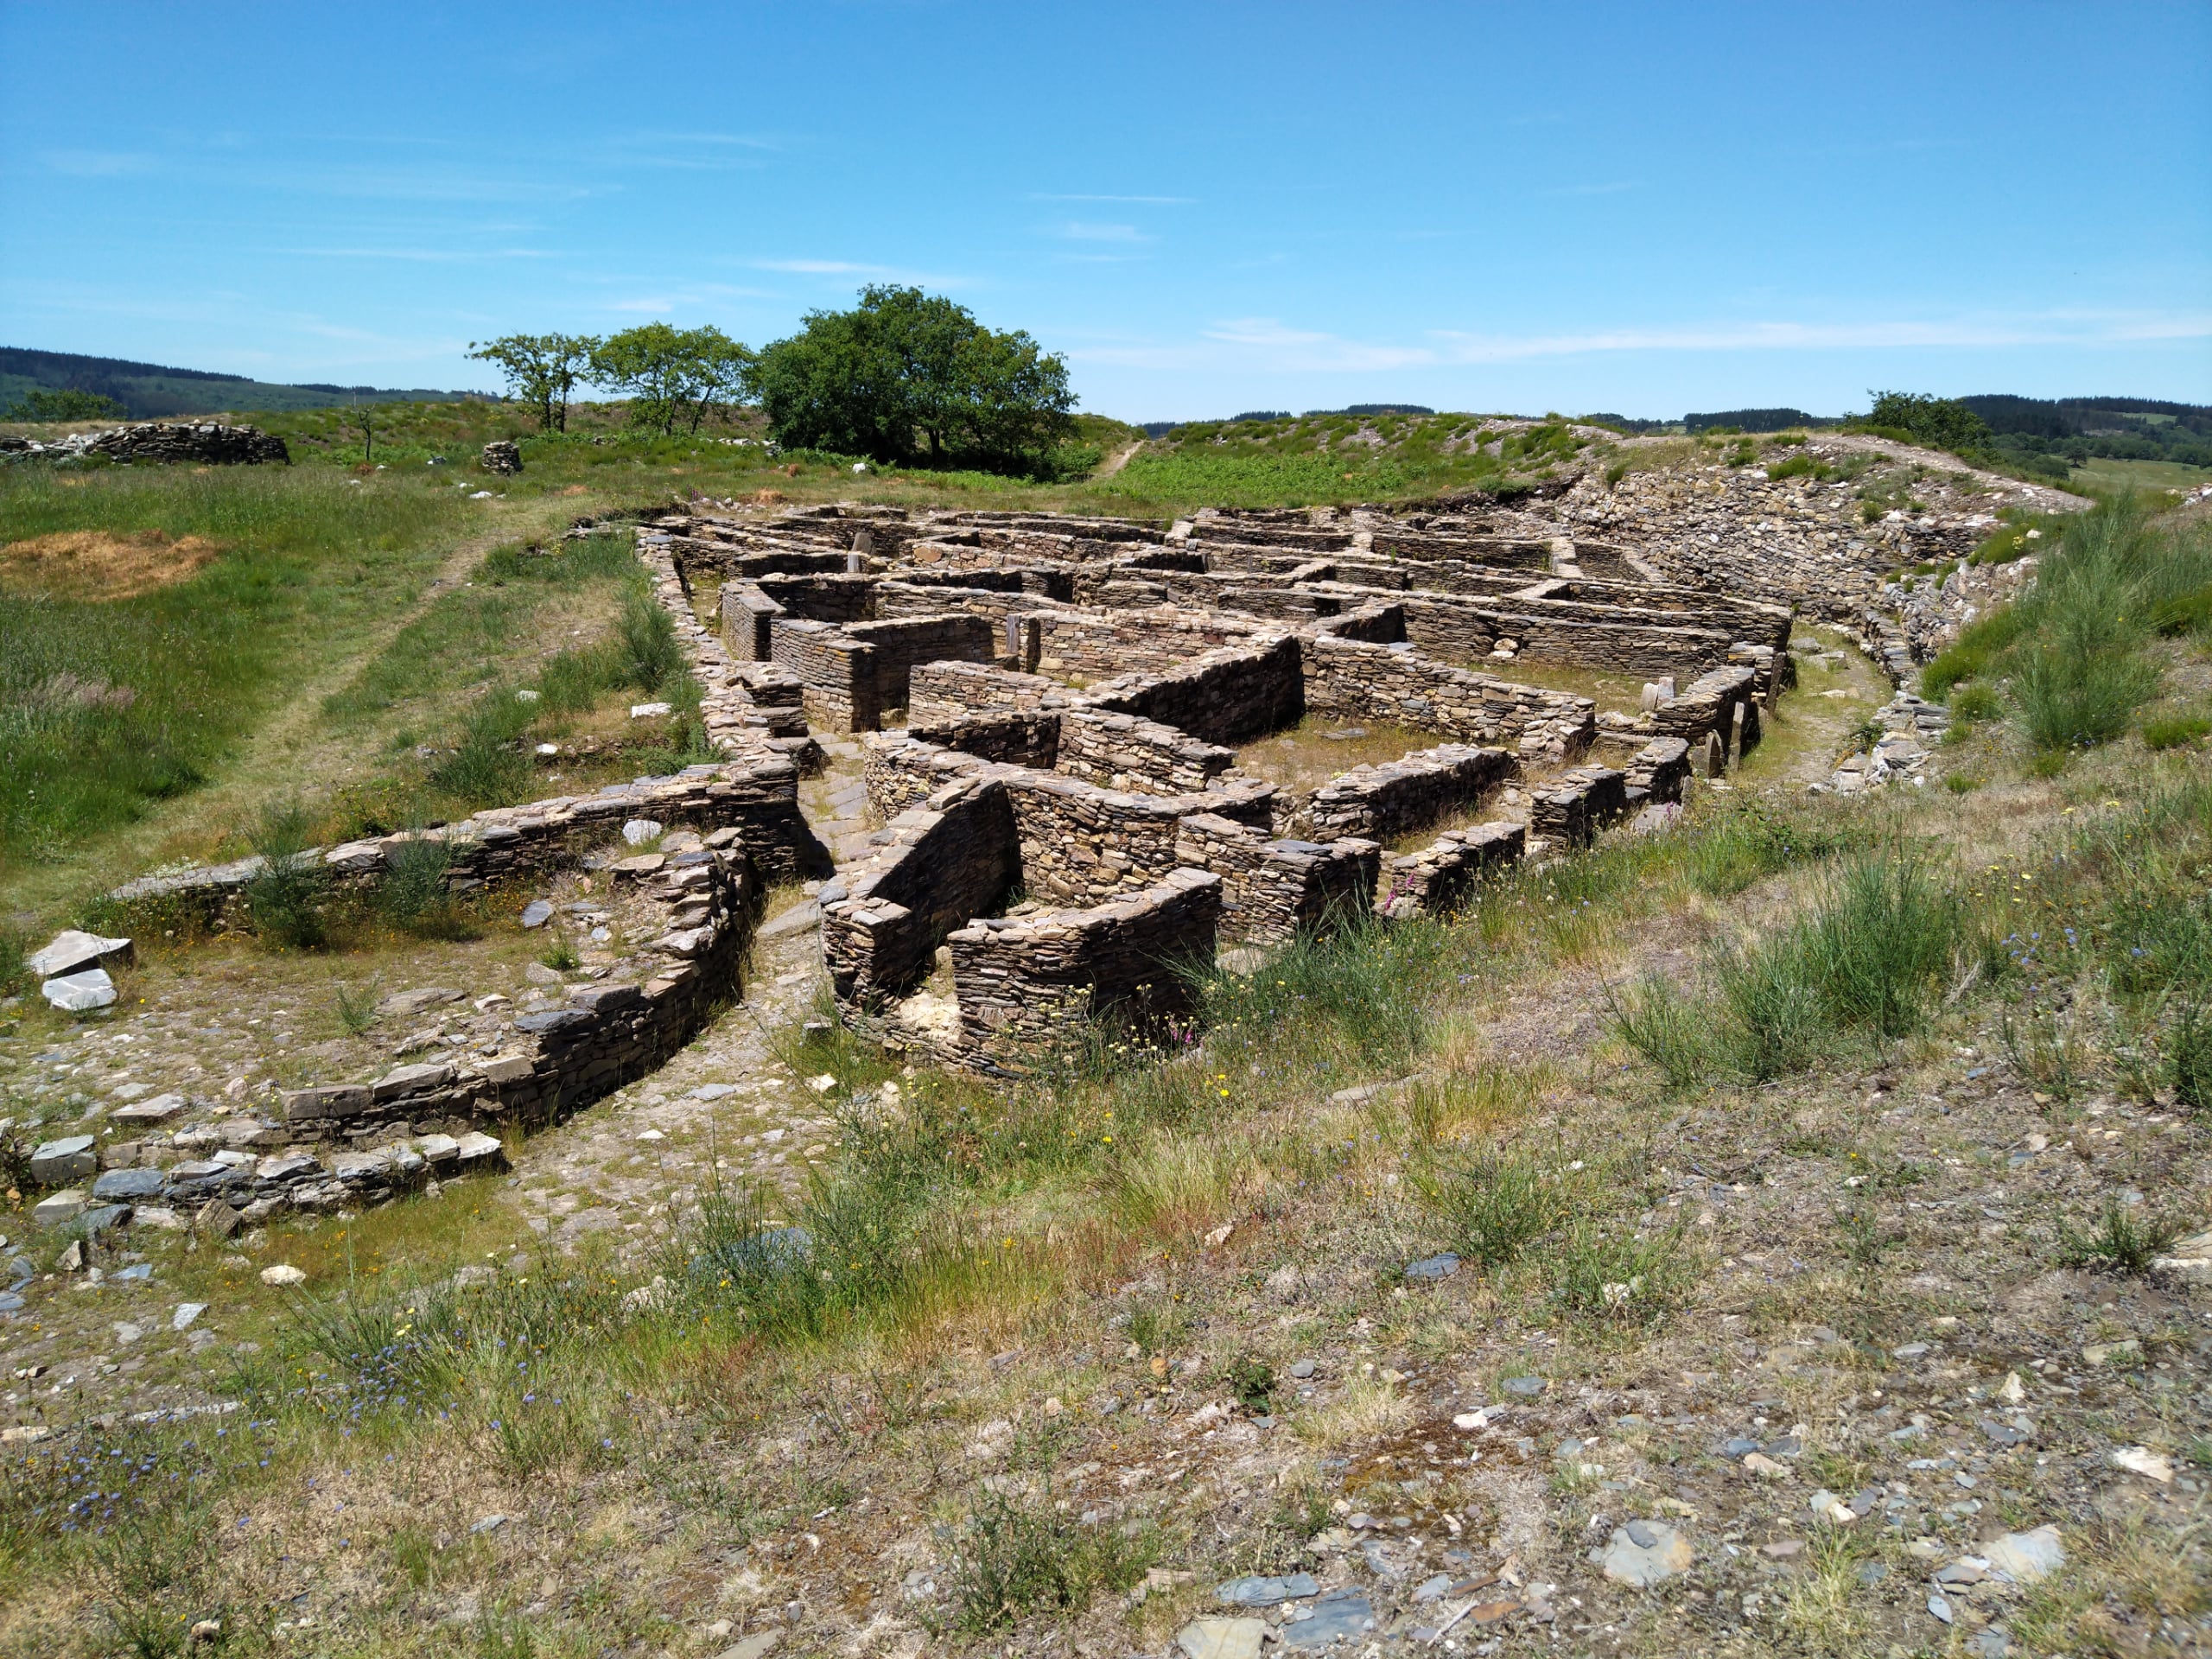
x=734 y=720
x=1013 y=737
x=1034 y=983
x=1352 y=680
x=755 y=802
x=902 y=644
x=883 y=919
x=1441 y=878
x=1398 y=797
x=1228 y=695
x=1708 y=704
x=1273 y=890
x=605 y=1035
x=1573 y=807
x=1123 y=752
x=939 y=693
x=1660 y=769
x=206 y=442
x=836 y=672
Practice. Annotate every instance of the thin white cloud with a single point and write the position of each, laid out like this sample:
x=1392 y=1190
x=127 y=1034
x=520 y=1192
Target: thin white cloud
x=97 y=163
x=1084 y=230
x=1614 y=188
x=1142 y=201
x=855 y=268
x=421 y=256
x=1270 y=344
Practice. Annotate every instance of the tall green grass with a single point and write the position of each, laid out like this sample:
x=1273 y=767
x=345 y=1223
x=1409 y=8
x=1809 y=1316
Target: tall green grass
x=2074 y=653
x=1865 y=961
x=108 y=706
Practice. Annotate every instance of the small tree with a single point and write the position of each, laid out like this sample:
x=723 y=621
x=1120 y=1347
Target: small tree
x=66 y=404
x=1939 y=423
x=672 y=374
x=541 y=370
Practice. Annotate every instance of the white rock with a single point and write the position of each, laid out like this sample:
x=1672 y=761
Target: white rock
x=756 y=1646
x=648 y=710
x=1221 y=1639
x=68 y=952
x=2142 y=1460
x=283 y=1274
x=822 y=1084
x=2025 y=1557
x=638 y=831
x=185 y=1314
x=80 y=993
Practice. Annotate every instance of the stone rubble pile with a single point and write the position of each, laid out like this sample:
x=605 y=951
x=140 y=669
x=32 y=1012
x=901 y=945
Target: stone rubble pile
x=206 y=442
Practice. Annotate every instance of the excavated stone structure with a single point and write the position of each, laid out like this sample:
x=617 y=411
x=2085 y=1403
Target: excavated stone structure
x=1050 y=709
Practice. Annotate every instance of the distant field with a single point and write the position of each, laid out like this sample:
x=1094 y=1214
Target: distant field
x=2103 y=474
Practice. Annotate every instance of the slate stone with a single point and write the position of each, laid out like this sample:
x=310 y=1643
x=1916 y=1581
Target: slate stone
x=537 y=913
x=1739 y=1447
x=1266 y=1593
x=57 y=1163
x=1441 y=1266
x=2026 y=1557
x=1221 y=1639
x=1523 y=1387
x=128 y=1184
x=1302 y=1369
x=104 y=1218
x=69 y=951
x=551 y=1020
x=1338 y=1615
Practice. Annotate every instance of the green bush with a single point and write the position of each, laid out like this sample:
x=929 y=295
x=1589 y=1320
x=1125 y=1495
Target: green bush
x=1799 y=466
x=2189 y=1059
x=647 y=638
x=1667 y=1029
x=1881 y=941
x=1494 y=1202
x=2122 y=1241
x=2174 y=731
x=1011 y=1560
x=1975 y=702
x=1773 y=1020
x=286 y=899
x=1607 y=1274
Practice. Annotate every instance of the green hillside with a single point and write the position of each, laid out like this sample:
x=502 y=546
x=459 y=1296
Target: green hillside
x=151 y=391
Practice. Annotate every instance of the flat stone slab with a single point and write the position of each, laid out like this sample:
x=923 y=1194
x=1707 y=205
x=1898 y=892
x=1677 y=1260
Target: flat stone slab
x=1266 y=1593
x=1221 y=1639
x=1434 y=1266
x=799 y=919
x=57 y=1163
x=68 y=952
x=159 y=1110
x=1340 y=1614
x=79 y=993
x=1644 y=1552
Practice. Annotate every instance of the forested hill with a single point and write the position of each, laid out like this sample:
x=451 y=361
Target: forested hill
x=150 y=390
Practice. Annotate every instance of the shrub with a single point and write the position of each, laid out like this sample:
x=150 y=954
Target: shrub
x=1976 y=701
x=2120 y=1242
x=414 y=894
x=491 y=767
x=285 y=901
x=1494 y=1202
x=1011 y=1560
x=1883 y=937
x=1772 y=1022
x=1667 y=1029
x=2189 y=1059
x=645 y=637
x=1798 y=466
x=1607 y=1274
x=2174 y=731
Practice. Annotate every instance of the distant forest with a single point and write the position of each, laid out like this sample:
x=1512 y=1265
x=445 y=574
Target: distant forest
x=154 y=391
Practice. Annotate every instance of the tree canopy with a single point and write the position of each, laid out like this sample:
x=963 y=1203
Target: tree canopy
x=1939 y=423
x=541 y=370
x=672 y=374
x=905 y=376
x=66 y=404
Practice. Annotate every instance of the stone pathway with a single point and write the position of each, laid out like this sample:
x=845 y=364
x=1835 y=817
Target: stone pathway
x=727 y=1104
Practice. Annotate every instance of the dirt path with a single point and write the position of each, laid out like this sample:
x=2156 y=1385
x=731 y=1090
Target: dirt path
x=281 y=750
x=1118 y=459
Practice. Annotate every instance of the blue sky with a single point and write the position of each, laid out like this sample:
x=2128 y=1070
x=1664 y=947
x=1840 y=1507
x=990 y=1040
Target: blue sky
x=1642 y=208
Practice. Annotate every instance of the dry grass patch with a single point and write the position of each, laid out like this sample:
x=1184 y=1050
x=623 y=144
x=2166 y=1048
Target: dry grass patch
x=98 y=564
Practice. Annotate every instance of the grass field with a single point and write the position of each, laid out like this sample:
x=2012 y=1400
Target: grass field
x=2105 y=476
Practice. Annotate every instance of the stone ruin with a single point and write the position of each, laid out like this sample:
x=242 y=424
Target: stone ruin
x=1051 y=708
x=1051 y=712
x=205 y=442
